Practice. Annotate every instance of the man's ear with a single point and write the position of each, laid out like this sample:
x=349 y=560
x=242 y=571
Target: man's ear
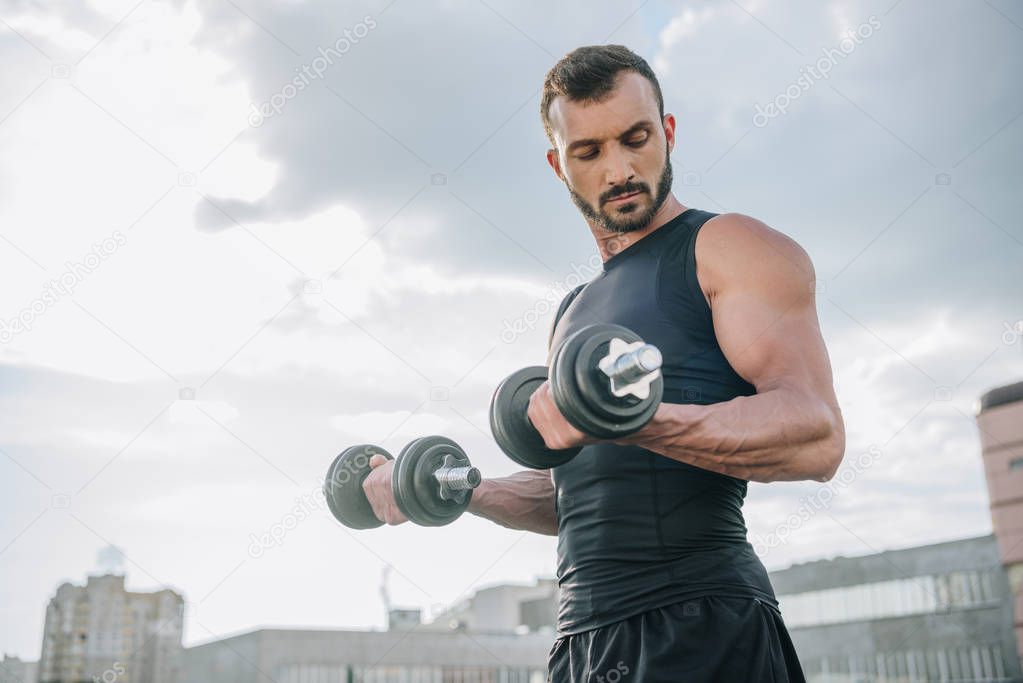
x=555 y=162
x=669 y=131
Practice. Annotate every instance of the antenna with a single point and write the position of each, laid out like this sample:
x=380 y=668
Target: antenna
x=384 y=576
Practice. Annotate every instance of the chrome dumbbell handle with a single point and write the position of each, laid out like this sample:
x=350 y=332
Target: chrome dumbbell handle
x=634 y=365
x=631 y=367
x=454 y=479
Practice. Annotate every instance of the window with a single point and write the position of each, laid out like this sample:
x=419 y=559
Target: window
x=898 y=597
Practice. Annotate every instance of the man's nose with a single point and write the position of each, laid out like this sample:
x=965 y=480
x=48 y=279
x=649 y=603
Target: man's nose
x=619 y=168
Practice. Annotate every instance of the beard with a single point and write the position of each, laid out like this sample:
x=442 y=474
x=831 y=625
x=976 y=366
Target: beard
x=628 y=217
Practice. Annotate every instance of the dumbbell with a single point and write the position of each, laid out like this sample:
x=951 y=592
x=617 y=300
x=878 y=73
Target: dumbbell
x=432 y=482
x=605 y=380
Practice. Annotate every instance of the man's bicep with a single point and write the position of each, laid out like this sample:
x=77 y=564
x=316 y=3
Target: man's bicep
x=768 y=338
x=764 y=309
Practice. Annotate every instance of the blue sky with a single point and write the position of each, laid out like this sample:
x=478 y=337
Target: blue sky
x=343 y=271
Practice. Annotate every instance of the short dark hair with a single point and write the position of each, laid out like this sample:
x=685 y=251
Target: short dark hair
x=587 y=74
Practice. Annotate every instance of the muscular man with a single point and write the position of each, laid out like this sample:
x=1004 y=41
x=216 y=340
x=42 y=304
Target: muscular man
x=657 y=580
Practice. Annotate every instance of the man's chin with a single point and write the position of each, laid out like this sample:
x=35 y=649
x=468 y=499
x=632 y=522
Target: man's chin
x=614 y=226
x=626 y=222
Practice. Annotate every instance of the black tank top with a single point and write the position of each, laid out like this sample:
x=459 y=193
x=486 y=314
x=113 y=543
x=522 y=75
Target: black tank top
x=637 y=530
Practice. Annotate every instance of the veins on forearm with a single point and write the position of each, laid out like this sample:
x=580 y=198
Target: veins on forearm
x=522 y=501
x=766 y=437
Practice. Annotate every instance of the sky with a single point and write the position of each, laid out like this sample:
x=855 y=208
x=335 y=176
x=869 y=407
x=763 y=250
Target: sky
x=214 y=280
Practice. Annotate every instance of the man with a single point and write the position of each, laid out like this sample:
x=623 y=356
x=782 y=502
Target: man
x=657 y=581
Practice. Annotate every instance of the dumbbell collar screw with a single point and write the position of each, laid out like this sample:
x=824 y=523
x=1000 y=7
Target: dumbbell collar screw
x=631 y=367
x=455 y=479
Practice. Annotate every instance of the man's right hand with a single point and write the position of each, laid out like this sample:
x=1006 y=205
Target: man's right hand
x=377 y=486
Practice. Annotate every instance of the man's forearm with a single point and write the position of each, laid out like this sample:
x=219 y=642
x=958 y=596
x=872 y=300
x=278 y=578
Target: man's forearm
x=524 y=500
x=779 y=435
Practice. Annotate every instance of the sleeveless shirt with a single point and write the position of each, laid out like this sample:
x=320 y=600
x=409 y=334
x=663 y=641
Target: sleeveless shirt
x=638 y=530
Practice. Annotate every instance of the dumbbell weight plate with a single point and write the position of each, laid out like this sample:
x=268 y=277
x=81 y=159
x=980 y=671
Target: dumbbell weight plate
x=343 y=487
x=403 y=484
x=582 y=391
x=511 y=428
x=416 y=490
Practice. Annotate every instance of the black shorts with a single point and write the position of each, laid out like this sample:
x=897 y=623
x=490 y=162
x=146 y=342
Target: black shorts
x=707 y=639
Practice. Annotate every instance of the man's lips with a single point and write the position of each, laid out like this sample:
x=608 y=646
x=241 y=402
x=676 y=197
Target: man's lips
x=624 y=197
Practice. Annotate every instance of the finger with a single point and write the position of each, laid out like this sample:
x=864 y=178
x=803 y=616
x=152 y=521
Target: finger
x=394 y=515
x=535 y=412
x=397 y=518
x=379 y=511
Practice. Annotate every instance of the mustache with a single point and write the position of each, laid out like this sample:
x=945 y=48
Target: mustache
x=623 y=190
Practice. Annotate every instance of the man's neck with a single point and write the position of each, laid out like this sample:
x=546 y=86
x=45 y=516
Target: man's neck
x=611 y=243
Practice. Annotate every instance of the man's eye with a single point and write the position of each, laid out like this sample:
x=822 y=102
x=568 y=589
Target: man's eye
x=639 y=142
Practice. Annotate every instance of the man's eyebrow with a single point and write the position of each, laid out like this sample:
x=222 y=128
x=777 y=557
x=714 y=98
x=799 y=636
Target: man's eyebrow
x=645 y=124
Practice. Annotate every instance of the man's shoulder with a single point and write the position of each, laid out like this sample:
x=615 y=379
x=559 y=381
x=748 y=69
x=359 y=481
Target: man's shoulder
x=562 y=307
x=567 y=301
x=734 y=246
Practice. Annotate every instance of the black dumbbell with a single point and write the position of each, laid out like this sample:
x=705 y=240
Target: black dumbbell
x=432 y=482
x=510 y=425
x=605 y=380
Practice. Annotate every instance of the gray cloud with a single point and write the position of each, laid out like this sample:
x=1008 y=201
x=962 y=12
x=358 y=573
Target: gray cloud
x=397 y=108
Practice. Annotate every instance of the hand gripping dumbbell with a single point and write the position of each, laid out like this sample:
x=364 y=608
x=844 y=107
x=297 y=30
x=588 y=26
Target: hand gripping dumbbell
x=605 y=380
x=432 y=482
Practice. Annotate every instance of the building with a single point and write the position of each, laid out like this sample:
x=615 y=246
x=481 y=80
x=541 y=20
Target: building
x=484 y=639
x=506 y=608
x=399 y=618
x=1000 y=423
x=945 y=612
x=101 y=631
x=939 y=612
x=398 y=656
x=13 y=670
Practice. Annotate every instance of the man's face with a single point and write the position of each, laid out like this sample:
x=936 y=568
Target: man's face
x=614 y=156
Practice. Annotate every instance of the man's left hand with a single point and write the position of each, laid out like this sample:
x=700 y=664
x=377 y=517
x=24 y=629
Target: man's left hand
x=557 y=432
